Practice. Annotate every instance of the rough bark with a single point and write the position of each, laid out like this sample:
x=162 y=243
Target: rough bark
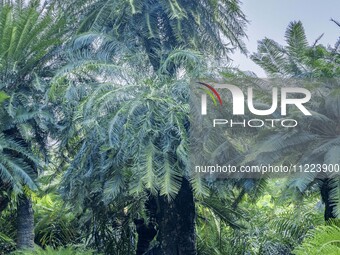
x=176 y=224
x=329 y=206
x=25 y=223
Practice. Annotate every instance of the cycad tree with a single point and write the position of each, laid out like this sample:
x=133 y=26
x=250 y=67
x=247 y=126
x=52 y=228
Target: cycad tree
x=28 y=34
x=132 y=142
x=317 y=141
x=137 y=129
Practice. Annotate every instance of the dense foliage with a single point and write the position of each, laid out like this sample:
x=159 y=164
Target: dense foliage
x=95 y=127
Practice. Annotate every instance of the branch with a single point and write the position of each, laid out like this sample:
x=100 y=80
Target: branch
x=336 y=22
x=317 y=40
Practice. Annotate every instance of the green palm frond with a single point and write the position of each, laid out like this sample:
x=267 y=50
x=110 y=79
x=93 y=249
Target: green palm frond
x=296 y=40
x=270 y=149
x=230 y=216
x=164 y=25
x=182 y=58
x=322 y=240
x=295 y=225
x=199 y=185
x=270 y=56
x=170 y=179
x=13 y=167
x=297 y=58
x=29 y=33
x=26 y=31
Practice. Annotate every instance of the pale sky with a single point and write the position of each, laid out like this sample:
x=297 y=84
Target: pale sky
x=270 y=18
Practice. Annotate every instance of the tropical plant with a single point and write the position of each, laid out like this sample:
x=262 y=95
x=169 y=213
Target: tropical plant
x=108 y=111
x=273 y=223
x=158 y=27
x=148 y=146
x=297 y=59
x=28 y=34
x=138 y=137
x=60 y=251
x=323 y=239
x=319 y=136
x=55 y=224
x=8 y=231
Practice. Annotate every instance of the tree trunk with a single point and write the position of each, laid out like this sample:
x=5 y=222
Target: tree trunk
x=4 y=201
x=329 y=205
x=176 y=223
x=25 y=221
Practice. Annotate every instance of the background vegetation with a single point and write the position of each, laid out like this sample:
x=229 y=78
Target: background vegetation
x=94 y=133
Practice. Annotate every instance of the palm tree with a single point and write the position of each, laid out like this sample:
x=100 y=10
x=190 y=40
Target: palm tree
x=28 y=34
x=132 y=142
x=318 y=141
x=128 y=137
x=153 y=141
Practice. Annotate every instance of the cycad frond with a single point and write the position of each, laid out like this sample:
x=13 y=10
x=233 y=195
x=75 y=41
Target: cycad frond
x=216 y=27
x=230 y=216
x=297 y=58
x=322 y=240
x=270 y=56
x=296 y=40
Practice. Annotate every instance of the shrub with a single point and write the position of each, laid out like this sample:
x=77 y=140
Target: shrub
x=59 y=251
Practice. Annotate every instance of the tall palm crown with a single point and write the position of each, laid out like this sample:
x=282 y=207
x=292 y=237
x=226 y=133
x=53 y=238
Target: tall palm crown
x=136 y=133
x=28 y=33
x=152 y=30
x=213 y=27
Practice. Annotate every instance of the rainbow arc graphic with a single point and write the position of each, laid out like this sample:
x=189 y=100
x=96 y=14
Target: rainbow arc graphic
x=213 y=94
